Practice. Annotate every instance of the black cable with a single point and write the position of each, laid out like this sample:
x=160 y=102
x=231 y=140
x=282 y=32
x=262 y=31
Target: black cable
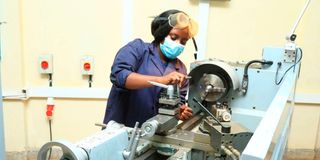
x=255 y=61
x=50 y=79
x=276 y=77
x=279 y=65
x=196 y=48
x=245 y=79
x=90 y=81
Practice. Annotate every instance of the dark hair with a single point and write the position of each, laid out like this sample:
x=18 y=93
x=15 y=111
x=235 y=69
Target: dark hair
x=160 y=27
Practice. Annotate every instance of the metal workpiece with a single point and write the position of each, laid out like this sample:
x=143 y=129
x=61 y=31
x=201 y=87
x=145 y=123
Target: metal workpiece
x=235 y=141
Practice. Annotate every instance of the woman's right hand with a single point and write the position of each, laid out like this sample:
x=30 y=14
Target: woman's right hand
x=173 y=78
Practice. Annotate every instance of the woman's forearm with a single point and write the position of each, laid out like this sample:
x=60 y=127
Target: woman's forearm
x=137 y=81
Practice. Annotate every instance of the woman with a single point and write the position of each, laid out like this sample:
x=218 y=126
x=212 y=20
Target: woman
x=132 y=98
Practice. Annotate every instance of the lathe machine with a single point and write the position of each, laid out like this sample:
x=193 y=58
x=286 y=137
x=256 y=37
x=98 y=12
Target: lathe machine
x=240 y=112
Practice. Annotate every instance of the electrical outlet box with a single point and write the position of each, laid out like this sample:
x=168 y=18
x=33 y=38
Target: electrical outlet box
x=290 y=52
x=45 y=64
x=87 y=65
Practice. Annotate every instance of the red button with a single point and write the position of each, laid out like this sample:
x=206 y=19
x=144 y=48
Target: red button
x=86 y=66
x=44 y=65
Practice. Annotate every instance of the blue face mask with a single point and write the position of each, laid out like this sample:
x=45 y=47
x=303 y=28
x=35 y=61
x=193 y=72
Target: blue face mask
x=171 y=49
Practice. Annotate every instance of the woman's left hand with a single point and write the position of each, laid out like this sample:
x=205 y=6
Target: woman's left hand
x=185 y=112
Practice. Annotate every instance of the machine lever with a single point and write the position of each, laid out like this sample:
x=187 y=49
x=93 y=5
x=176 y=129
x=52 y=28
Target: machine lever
x=130 y=151
x=133 y=135
x=224 y=128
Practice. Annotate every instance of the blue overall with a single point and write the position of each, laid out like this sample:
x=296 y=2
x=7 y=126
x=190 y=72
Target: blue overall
x=129 y=106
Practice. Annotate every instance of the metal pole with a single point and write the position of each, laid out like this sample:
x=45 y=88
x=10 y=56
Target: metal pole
x=299 y=18
x=2 y=150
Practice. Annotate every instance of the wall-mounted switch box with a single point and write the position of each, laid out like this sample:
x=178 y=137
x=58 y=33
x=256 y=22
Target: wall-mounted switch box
x=45 y=64
x=87 y=65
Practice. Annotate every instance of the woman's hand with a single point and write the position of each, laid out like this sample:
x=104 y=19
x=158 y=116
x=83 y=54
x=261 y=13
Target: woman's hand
x=185 y=112
x=173 y=78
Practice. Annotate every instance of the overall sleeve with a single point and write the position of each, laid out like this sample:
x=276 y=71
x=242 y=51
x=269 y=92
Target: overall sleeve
x=126 y=61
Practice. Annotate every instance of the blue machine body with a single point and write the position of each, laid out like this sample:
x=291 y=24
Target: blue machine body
x=264 y=110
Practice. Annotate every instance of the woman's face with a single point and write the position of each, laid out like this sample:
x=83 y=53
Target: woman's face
x=180 y=36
